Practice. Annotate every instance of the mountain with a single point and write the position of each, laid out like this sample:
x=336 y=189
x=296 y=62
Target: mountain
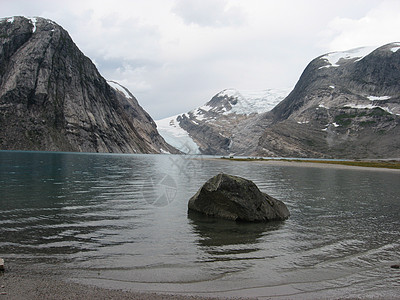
x=345 y=105
x=215 y=128
x=53 y=98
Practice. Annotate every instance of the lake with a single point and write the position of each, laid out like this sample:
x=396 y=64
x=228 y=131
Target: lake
x=121 y=221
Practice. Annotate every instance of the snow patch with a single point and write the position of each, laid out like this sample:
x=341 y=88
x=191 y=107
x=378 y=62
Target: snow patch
x=176 y=136
x=333 y=58
x=378 y=98
x=10 y=20
x=332 y=86
x=205 y=107
x=33 y=22
x=368 y=106
x=249 y=102
x=116 y=86
x=198 y=114
x=164 y=151
x=229 y=93
x=329 y=125
x=395 y=48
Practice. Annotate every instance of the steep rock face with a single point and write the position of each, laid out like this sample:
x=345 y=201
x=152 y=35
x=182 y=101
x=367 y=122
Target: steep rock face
x=224 y=125
x=52 y=97
x=346 y=104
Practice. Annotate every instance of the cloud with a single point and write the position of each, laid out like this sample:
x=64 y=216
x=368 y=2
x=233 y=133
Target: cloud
x=375 y=28
x=212 y=13
x=175 y=55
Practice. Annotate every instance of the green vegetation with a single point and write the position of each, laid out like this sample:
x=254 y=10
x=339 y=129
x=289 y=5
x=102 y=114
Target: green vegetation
x=366 y=123
x=344 y=119
x=390 y=164
x=378 y=112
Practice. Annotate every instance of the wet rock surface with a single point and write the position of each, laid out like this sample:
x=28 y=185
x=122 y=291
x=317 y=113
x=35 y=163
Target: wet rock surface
x=235 y=198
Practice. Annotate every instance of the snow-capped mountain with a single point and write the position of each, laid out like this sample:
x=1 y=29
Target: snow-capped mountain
x=345 y=104
x=335 y=59
x=210 y=129
x=231 y=101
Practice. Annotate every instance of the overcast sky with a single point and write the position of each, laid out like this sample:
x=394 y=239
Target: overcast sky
x=174 y=55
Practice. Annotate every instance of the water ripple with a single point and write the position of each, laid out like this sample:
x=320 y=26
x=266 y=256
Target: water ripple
x=90 y=215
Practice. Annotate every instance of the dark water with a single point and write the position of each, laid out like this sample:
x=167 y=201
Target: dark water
x=121 y=221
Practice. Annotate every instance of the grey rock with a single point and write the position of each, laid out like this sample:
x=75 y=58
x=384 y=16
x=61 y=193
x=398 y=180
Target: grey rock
x=53 y=98
x=235 y=198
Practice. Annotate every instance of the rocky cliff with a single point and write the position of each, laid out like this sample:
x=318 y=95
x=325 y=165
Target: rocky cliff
x=345 y=104
x=53 y=98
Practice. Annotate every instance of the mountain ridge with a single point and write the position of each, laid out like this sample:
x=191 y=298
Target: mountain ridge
x=52 y=97
x=347 y=108
x=345 y=105
x=217 y=120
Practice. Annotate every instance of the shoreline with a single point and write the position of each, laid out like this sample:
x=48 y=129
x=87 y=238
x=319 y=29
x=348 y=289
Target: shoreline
x=48 y=286
x=373 y=165
x=43 y=281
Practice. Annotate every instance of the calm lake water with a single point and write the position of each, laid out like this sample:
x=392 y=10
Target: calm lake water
x=121 y=221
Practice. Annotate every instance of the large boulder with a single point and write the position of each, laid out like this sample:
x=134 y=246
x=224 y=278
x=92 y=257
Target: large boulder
x=235 y=198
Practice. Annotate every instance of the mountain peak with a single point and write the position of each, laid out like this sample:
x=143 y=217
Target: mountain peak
x=217 y=119
x=34 y=23
x=246 y=102
x=53 y=98
x=337 y=58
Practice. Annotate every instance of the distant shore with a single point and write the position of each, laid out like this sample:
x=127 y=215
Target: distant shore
x=379 y=164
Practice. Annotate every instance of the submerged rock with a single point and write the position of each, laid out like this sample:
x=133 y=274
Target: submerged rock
x=1 y=264
x=235 y=198
x=395 y=266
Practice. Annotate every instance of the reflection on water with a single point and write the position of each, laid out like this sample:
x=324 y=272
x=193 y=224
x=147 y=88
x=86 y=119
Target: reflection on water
x=215 y=232
x=122 y=221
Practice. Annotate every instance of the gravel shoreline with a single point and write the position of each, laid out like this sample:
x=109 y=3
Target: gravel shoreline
x=17 y=282
x=15 y=287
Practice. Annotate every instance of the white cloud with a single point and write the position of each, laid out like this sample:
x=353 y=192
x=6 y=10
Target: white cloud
x=376 y=27
x=175 y=55
x=209 y=12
